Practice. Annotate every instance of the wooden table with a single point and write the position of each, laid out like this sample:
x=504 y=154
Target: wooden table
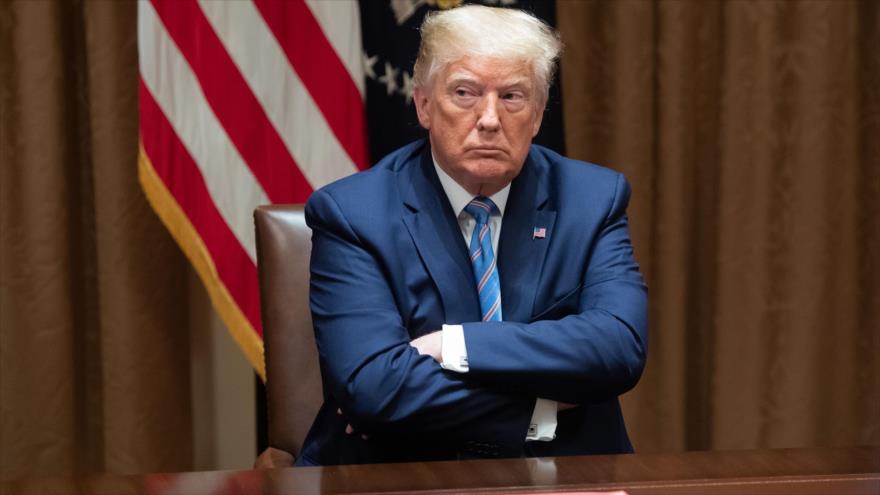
x=797 y=471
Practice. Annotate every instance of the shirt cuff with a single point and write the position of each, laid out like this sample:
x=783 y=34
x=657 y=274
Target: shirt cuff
x=542 y=427
x=453 y=350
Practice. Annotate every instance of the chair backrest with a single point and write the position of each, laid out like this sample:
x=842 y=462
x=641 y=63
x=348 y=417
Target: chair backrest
x=293 y=378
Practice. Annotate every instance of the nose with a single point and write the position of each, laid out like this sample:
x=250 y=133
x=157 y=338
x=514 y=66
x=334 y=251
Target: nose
x=489 y=121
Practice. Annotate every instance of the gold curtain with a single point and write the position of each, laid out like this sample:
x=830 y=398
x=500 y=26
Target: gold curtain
x=94 y=343
x=750 y=131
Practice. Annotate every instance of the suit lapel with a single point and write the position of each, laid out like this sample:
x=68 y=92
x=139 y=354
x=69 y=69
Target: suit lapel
x=521 y=253
x=437 y=236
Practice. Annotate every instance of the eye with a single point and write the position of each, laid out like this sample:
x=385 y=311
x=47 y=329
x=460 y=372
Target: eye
x=464 y=96
x=513 y=96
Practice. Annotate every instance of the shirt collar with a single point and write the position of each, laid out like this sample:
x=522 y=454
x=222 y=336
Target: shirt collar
x=459 y=197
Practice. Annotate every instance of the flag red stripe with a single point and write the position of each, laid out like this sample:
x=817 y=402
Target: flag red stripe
x=177 y=169
x=233 y=102
x=321 y=71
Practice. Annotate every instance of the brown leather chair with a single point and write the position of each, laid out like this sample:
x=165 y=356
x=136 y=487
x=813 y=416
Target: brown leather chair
x=293 y=379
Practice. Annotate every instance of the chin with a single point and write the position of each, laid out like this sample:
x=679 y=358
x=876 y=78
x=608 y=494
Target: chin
x=488 y=168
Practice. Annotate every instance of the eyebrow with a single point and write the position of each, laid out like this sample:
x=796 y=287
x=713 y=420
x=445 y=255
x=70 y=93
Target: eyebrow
x=465 y=78
x=460 y=78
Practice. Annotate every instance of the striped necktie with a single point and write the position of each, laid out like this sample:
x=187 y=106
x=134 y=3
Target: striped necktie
x=483 y=259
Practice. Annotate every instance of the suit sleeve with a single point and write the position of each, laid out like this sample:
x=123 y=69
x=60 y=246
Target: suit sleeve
x=381 y=382
x=594 y=353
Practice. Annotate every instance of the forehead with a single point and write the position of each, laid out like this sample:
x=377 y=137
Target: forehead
x=486 y=70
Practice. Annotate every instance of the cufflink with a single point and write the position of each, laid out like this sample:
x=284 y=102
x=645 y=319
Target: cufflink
x=533 y=430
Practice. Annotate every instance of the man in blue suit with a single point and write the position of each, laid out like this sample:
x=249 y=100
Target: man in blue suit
x=474 y=295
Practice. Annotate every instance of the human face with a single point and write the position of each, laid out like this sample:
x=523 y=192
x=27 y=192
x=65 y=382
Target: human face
x=481 y=115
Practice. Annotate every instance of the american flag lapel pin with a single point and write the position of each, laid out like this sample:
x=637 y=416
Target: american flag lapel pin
x=539 y=233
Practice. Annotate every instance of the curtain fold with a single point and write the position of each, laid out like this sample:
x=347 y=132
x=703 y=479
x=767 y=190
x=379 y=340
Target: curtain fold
x=749 y=132
x=94 y=342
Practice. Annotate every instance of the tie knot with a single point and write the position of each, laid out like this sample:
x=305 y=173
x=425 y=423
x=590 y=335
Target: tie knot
x=480 y=208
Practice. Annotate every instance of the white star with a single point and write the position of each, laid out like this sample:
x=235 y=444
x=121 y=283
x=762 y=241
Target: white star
x=407 y=89
x=369 y=62
x=389 y=78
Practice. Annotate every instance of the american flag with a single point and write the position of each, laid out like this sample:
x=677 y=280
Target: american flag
x=539 y=233
x=244 y=103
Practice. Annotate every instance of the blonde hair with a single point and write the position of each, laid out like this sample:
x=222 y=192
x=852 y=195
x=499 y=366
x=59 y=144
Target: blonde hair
x=477 y=30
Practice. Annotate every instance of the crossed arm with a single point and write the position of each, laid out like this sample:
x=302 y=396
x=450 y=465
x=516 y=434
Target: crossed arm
x=595 y=352
x=381 y=382
x=386 y=386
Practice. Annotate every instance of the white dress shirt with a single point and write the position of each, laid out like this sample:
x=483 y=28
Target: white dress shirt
x=542 y=426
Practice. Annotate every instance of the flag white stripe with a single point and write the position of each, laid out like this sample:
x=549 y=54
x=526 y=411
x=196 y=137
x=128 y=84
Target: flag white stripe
x=289 y=106
x=166 y=73
x=340 y=21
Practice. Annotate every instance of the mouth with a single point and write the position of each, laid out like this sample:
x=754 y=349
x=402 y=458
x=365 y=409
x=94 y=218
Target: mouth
x=486 y=149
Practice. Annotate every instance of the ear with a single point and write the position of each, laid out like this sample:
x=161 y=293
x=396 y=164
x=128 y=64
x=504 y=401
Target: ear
x=423 y=107
x=539 y=117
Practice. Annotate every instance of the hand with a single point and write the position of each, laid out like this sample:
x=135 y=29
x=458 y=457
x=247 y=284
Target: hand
x=430 y=344
x=272 y=458
x=562 y=406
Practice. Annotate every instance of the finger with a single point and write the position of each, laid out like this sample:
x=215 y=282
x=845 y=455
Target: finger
x=274 y=458
x=339 y=411
x=349 y=429
x=365 y=437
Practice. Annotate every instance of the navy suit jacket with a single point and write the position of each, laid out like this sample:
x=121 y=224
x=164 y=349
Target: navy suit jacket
x=389 y=264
